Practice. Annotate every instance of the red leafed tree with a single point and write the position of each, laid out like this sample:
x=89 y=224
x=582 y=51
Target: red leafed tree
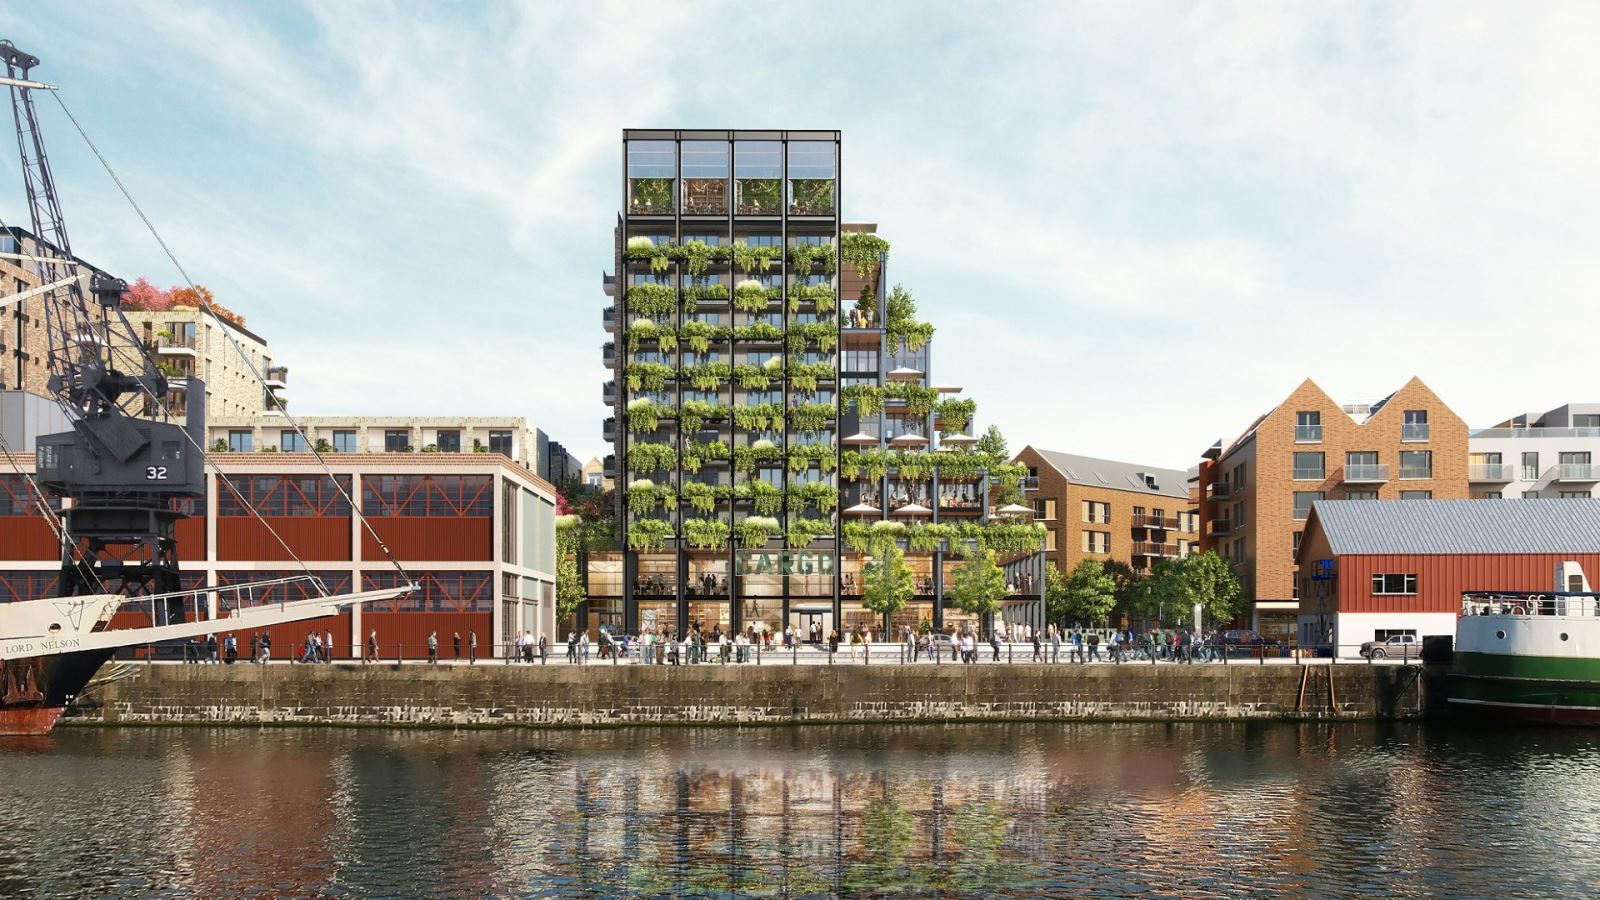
x=563 y=508
x=146 y=297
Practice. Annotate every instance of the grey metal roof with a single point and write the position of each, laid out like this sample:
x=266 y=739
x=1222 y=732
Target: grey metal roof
x=1124 y=476
x=1460 y=526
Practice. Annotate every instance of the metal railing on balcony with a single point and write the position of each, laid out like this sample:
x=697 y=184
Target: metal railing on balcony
x=608 y=430
x=175 y=342
x=1308 y=434
x=1578 y=472
x=279 y=374
x=1161 y=522
x=1585 y=432
x=608 y=353
x=608 y=392
x=608 y=318
x=1219 y=490
x=1152 y=548
x=1414 y=431
x=1030 y=483
x=1416 y=473
x=1490 y=472
x=1218 y=527
x=1365 y=473
x=1314 y=474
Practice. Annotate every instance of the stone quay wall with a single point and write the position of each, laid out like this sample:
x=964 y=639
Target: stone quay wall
x=495 y=695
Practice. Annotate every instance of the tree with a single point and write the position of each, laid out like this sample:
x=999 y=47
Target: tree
x=1055 y=593
x=993 y=443
x=978 y=585
x=1126 y=580
x=1089 y=592
x=1209 y=580
x=569 y=584
x=1157 y=590
x=887 y=583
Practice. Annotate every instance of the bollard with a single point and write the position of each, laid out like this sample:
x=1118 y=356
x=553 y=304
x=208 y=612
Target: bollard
x=1261 y=653
x=794 y=653
x=866 y=657
x=1009 y=659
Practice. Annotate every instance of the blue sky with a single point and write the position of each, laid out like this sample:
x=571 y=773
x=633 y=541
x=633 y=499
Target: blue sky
x=1136 y=225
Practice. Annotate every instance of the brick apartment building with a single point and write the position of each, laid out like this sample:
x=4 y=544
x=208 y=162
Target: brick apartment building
x=1255 y=493
x=1109 y=510
x=475 y=531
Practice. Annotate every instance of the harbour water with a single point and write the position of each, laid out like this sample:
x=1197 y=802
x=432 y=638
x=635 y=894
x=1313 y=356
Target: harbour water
x=1219 y=810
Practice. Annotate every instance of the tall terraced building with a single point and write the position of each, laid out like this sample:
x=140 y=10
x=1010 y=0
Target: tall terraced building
x=772 y=406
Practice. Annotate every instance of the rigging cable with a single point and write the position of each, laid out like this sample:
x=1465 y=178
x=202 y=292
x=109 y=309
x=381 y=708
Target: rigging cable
x=224 y=328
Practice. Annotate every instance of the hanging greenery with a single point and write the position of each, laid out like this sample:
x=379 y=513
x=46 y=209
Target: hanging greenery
x=702 y=497
x=652 y=299
x=648 y=376
x=822 y=495
x=755 y=260
x=858 y=537
x=919 y=400
x=696 y=413
x=651 y=457
x=913 y=466
x=706 y=376
x=694 y=293
x=761 y=417
x=804 y=376
x=804 y=456
x=696 y=255
x=640 y=330
x=900 y=323
x=810 y=418
x=928 y=538
x=699 y=335
x=820 y=294
x=752 y=377
x=862 y=250
x=954 y=415
x=695 y=453
x=647 y=535
x=801 y=531
x=645 y=415
x=706 y=534
x=752 y=296
x=645 y=495
x=959 y=465
x=868 y=398
x=801 y=256
x=766 y=499
x=824 y=334
x=747 y=459
x=758 y=331
x=755 y=530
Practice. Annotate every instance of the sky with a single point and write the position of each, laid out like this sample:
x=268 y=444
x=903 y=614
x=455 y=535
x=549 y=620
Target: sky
x=1135 y=225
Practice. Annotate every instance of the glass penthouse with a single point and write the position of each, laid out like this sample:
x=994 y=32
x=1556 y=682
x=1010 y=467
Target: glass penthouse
x=772 y=411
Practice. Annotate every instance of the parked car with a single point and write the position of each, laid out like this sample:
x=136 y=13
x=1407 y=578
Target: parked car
x=1405 y=646
x=1243 y=638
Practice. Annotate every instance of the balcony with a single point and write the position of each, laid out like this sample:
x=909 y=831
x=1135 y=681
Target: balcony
x=176 y=345
x=758 y=196
x=1414 y=431
x=608 y=318
x=1219 y=490
x=1416 y=473
x=608 y=283
x=1030 y=483
x=608 y=393
x=1317 y=474
x=608 y=430
x=608 y=468
x=650 y=196
x=1151 y=548
x=811 y=197
x=1365 y=473
x=1158 y=522
x=705 y=196
x=1579 y=472
x=1492 y=472
x=277 y=377
x=1580 y=432
x=1218 y=528
x=608 y=353
x=1308 y=434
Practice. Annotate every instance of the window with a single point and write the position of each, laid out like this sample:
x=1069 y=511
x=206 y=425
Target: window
x=448 y=441
x=1044 y=509
x=291 y=441
x=1530 y=465
x=1303 y=501
x=1586 y=420
x=1415 y=427
x=1050 y=539
x=1383 y=634
x=1297 y=536
x=500 y=442
x=1575 y=495
x=1361 y=495
x=1416 y=464
x=1097 y=542
x=1530 y=495
x=240 y=442
x=1488 y=495
x=427 y=495
x=1307 y=427
x=1094 y=511
x=396 y=440
x=1416 y=495
x=1576 y=466
x=1394 y=584
x=1309 y=467
x=344 y=442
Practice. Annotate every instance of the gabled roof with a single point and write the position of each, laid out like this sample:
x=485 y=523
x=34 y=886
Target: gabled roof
x=1458 y=526
x=1122 y=476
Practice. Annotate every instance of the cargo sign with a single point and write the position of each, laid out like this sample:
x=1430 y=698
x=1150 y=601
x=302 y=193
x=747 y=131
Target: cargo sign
x=783 y=562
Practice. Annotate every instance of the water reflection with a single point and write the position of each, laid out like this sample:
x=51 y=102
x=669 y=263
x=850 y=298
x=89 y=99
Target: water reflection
x=958 y=811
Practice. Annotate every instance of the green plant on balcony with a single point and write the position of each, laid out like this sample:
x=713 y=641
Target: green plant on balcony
x=954 y=415
x=706 y=376
x=868 y=398
x=758 y=331
x=820 y=294
x=1005 y=537
x=915 y=466
x=900 y=326
x=652 y=299
x=766 y=499
x=752 y=296
x=695 y=454
x=706 y=534
x=810 y=418
x=862 y=250
x=652 y=195
x=959 y=465
x=927 y=538
x=643 y=249
x=694 y=293
x=645 y=495
x=810 y=196
x=761 y=417
x=804 y=376
x=696 y=413
x=696 y=255
x=758 y=196
x=699 y=335
x=804 y=456
x=648 y=376
x=647 y=535
x=919 y=400
x=800 y=531
x=755 y=260
x=645 y=415
x=221 y=446
x=430 y=448
x=651 y=457
x=754 y=531
x=747 y=459
x=858 y=536
x=822 y=495
x=322 y=446
x=701 y=497
x=801 y=257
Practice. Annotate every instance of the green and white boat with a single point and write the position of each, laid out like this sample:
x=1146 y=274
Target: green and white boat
x=1530 y=657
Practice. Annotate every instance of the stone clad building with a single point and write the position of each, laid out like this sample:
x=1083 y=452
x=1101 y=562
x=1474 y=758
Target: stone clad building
x=1256 y=492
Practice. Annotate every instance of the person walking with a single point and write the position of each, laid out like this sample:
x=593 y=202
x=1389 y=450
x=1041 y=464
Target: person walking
x=544 y=648
x=230 y=647
x=1038 y=650
x=994 y=643
x=211 y=648
x=583 y=648
x=1094 y=647
x=572 y=646
x=327 y=646
x=833 y=643
x=455 y=641
x=255 y=646
x=433 y=648
x=266 y=649
x=472 y=648
x=1055 y=644
x=372 y=647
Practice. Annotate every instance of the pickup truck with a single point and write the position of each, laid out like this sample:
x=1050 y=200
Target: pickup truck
x=1405 y=646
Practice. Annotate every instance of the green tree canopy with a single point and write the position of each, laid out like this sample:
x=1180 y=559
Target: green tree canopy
x=1089 y=592
x=1126 y=581
x=569 y=584
x=978 y=585
x=1156 y=592
x=1209 y=580
x=993 y=443
x=887 y=583
x=1055 y=593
